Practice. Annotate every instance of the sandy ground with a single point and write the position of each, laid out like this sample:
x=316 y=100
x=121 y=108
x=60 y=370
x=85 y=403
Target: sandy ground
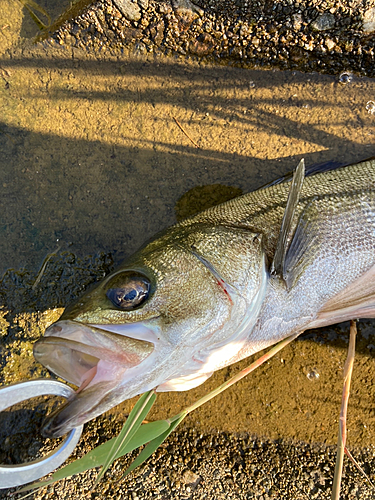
x=93 y=163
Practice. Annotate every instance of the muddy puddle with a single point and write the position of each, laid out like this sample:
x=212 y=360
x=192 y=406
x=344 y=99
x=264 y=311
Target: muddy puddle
x=96 y=153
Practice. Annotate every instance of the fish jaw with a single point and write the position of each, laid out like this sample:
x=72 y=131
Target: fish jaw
x=109 y=364
x=106 y=366
x=71 y=349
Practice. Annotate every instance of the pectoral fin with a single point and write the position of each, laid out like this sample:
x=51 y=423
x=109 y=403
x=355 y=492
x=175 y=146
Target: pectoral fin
x=303 y=247
x=292 y=202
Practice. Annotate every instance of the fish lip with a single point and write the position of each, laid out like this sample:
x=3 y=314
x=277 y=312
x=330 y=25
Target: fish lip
x=95 y=360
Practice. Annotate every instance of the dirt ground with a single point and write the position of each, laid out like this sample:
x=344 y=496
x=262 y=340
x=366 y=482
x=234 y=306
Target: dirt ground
x=93 y=162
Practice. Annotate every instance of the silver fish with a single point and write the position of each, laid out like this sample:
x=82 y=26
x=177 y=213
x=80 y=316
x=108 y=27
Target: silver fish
x=218 y=287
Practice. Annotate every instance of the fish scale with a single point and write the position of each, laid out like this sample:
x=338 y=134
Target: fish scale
x=263 y=210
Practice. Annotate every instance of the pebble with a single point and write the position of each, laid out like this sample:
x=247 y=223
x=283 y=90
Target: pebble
x=129 y=8
x=189 y=477
x=289 y=36
x=329 y=43
x=369 y=20
x=324 y=22
x=370 y=106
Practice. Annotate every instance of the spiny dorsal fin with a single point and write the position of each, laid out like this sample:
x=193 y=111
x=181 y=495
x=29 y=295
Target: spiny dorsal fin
x=293 y=198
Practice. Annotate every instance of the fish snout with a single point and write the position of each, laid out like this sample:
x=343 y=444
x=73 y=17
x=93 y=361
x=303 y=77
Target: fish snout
x=102 y=364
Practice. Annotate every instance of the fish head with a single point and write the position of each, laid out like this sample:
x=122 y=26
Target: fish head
x=166 y=319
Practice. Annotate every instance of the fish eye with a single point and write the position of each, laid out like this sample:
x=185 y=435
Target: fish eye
x=128 y=290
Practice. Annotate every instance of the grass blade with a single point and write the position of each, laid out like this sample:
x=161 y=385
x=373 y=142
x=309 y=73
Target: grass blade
x=153 y=445
x=132 y=424
x=358 y=467
x=341 y=444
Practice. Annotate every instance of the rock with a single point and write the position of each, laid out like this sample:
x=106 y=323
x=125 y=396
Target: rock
x=186 y=12
x=189 y=477
x=329 y=43
x=203 y=45
x=369 y=20
x=186 y=6
x=297 y=21
x=129 y=8
x=323 y=22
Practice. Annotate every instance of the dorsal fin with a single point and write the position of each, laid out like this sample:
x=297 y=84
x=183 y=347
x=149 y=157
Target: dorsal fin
x=315 y=169
x=293 y=198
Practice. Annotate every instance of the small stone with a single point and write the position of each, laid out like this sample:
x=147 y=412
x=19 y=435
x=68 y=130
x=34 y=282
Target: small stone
x=190 y=478
x=329 y=43
x=370 y=106
x=323 y=22
x=186 y=12
x=186 y=6
x=140 y=49
x=369 y=20
x=129 y=8
x=297 y=21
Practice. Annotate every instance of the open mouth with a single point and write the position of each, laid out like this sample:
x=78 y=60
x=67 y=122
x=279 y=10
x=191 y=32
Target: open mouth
x=86 y=355
x=99 y=360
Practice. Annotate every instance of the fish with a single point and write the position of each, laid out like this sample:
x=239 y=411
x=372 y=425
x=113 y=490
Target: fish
x=218 y=287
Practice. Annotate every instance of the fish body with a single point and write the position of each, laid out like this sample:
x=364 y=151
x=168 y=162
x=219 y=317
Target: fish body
x=208 y=291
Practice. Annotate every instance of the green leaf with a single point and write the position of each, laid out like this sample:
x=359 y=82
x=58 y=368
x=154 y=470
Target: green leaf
x=132 y=424
x=153 y=445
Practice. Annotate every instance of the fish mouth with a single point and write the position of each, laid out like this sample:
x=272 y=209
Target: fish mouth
x=98 y=359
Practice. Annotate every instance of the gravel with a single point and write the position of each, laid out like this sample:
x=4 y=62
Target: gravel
x=195 y=466
x=328 y=37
